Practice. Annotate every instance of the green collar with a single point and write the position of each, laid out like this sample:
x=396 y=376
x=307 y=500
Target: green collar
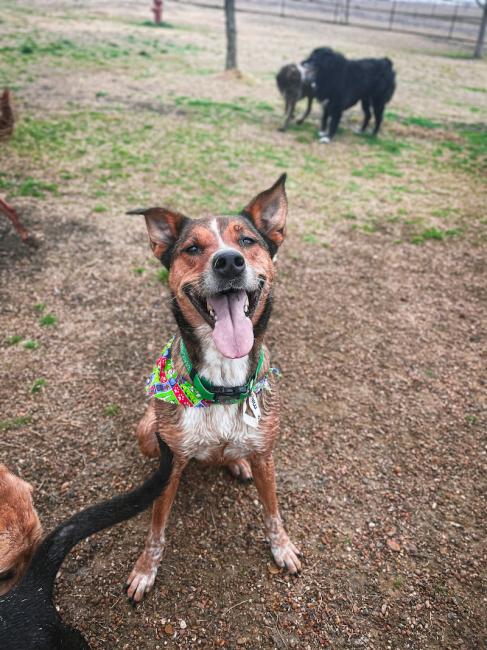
x=220 y=394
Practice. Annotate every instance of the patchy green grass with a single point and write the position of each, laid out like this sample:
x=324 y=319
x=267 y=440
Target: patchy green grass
x=468 y=151
x=387 y=145
x=48 y=320
x=476 y=138
x=375 y=169
x=26 y=187
x=13 y=340
x=197 y=147
x=38 y=46
x=14 y=423
x=38 y=385
x=310 y=238
x=423 y=122
x=30 y=344
x=443 y=213
x=32 y=187
x=111 y=410
x=457 y=54
x=434 y=234
x=162 y=275
x=369 y=228
x=40 y=307
x=212 y=110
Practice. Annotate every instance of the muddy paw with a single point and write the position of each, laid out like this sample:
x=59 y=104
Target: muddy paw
x=141 y=580
x=287 y=555
x=240 y=469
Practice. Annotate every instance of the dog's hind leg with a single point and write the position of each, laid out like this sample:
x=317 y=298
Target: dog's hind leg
x=378 y=115
x=367 y=115
x=143 y=575
x=283 y=550
x=307 y=111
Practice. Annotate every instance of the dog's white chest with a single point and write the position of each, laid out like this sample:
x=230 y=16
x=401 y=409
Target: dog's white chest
x=219 y=434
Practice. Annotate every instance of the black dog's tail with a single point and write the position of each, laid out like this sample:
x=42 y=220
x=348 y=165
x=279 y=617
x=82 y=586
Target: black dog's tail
x=50 y=555
x=388 y=79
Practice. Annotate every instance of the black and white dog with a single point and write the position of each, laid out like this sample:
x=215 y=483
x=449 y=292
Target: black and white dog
x=345 y=82
x=295 y=83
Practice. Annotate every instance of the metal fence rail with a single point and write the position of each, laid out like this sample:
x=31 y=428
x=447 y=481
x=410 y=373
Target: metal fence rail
x=449 y=21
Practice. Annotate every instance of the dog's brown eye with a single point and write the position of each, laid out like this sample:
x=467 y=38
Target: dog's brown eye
x=192 y=250
x=247 y=241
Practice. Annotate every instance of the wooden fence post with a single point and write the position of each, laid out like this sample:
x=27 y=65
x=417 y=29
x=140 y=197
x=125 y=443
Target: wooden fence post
x=391 y=17
x=453 y=20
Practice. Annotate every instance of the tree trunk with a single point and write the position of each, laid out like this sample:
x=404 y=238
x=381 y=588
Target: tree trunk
x=231 y=63
x=480 y=39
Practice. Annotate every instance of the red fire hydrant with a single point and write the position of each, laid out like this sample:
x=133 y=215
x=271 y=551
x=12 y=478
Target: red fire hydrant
x=157 y=10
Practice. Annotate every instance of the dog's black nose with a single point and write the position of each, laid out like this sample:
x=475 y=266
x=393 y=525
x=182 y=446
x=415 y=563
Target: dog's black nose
x=228 y=264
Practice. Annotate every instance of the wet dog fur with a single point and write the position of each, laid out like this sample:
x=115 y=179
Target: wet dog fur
x=345 y=82
x=28 y=617
x=191 y=250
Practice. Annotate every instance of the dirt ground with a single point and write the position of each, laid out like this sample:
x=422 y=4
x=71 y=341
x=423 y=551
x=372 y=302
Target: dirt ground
x=379 y=326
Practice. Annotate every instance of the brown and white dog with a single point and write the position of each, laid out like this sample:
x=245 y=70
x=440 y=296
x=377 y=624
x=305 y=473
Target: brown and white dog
x=20 y=528
x=221 y=271
x=295 y=82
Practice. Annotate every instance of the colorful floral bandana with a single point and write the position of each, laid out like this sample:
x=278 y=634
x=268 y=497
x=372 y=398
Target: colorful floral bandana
x=166 y=384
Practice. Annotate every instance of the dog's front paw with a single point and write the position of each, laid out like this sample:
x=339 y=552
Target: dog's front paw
x=287 y=555
x=324 y=139
x=142 y=578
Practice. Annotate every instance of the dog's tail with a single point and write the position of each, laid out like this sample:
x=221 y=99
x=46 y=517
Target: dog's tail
x=388 y=79
x=50 y=555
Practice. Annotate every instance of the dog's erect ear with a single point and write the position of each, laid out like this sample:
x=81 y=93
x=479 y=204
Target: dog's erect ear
x=164 y=227
x=268 y=212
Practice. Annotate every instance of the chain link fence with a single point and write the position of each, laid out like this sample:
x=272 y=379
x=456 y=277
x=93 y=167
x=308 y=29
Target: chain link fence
x=456 y=21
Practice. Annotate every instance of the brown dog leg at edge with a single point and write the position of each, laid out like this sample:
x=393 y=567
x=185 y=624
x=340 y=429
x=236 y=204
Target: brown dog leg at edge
x=22 y=231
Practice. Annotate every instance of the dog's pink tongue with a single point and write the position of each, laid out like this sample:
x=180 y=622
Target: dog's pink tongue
x=233 y=332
